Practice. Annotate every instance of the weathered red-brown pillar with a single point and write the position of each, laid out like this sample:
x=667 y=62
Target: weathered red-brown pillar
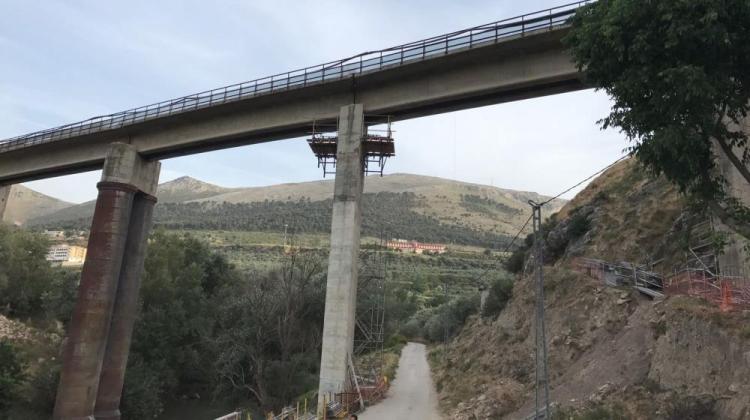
x=125 y=311
x=125 y=175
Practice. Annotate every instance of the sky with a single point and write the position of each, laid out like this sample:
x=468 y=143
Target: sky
x=69 y=60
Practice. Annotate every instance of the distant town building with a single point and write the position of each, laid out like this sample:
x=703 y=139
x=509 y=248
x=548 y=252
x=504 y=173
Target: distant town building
x=66 y=255
x=415 y=247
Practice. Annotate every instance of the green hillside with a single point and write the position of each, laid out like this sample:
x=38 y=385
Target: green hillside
x=404 y=206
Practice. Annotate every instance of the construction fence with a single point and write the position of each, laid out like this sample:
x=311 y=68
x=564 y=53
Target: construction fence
x=728 y=292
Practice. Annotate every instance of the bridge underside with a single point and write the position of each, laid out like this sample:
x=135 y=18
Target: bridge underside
x=514 y=69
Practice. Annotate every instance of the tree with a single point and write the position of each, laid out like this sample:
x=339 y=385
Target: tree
x=268 y=332
x=677 y=71
x=170 y=355
x=24 y=272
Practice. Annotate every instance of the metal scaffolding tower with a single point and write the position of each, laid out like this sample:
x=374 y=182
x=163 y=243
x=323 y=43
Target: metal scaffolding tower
x=370 y=321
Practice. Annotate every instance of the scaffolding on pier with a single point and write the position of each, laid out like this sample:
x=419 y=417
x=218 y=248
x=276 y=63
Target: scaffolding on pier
x=377 y=145
x=370 y=320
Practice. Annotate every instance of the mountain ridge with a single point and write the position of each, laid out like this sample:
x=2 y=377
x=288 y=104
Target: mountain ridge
x=473 y=207
x=25 y=204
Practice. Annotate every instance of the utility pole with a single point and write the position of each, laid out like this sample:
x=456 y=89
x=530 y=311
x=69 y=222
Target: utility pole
x=445 y=321
x=542 y=384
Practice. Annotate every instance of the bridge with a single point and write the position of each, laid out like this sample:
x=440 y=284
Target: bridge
x=508 y=60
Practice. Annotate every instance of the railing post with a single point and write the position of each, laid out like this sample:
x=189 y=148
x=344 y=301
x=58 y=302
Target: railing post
x=550 y=19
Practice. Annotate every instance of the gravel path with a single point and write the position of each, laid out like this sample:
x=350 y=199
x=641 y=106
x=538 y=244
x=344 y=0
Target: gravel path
x=412 y=395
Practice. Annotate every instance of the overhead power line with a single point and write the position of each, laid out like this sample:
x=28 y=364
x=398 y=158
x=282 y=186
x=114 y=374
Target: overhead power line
x=585 y=180
x=518 y=233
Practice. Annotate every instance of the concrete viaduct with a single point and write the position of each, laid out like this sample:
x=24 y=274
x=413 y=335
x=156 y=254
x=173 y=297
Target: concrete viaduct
x=509 y=60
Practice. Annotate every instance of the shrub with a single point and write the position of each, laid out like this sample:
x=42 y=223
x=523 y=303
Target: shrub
x=692 y=408
x=142 y=394
x=396 y=341
x=412 y=328
x=579 y=224
x=43 y=387
x=500 y=293
x=11 y=374
x=449 y=317
x=515 y=262
x=60 y=297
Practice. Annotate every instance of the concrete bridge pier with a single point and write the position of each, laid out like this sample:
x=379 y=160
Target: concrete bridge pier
x=125 y=310
x=735 y=259
x=126 y=177
x=4 y=196
x=341 y=288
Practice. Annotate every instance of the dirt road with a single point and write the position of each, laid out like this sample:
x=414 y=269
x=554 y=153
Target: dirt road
x=412 y=395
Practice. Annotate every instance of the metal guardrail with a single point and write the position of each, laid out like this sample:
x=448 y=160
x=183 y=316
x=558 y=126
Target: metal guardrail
x=322 y=73
x=237 y=415
x=624 y=273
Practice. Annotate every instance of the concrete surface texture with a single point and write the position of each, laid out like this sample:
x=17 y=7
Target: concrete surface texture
x=341 y=286
x=412 y=395
x=124 y=165
x=125 y=310
x=83 y=350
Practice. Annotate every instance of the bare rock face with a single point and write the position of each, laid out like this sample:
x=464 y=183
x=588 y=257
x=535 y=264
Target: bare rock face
x=700 y=357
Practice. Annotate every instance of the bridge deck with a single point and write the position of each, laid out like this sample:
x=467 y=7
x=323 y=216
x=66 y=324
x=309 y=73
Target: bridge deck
x=323 y=87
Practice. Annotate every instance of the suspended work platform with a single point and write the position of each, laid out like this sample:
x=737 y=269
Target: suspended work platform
x=377 y=147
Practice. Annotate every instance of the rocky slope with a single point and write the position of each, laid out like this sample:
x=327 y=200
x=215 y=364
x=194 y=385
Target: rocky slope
x=612 y=354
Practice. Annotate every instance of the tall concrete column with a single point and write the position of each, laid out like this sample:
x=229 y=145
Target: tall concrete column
x=4 y=196
x=123 y=176
x=125 y=310
x=735 y=260
x=341 y=288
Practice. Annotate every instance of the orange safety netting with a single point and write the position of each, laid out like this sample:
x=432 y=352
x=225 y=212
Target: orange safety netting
x=726 y=291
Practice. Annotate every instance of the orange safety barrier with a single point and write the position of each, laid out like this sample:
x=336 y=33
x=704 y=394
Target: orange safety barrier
x=729 y=293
